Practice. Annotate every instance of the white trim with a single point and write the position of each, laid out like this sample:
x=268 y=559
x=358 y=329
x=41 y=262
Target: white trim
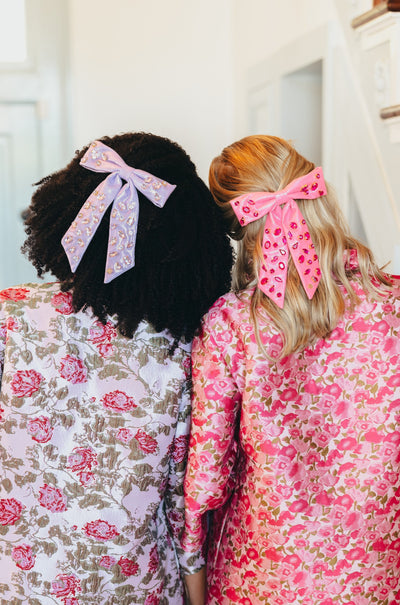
x=350 y=143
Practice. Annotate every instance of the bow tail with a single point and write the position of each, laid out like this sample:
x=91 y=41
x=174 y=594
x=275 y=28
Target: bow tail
x=84 y=226
x=302 y=248
x=122 y=236
x=272 y=279
x=156 y=190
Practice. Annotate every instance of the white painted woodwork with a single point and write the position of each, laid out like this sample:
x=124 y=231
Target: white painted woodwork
x=34 y=122
x=323 y=89
x=19 y=159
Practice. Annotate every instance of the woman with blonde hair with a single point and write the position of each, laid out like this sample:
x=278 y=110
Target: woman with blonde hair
x=296 y=407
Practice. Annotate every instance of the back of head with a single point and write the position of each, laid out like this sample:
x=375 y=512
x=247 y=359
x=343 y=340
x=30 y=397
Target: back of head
x=269 y=164
x=182 y=257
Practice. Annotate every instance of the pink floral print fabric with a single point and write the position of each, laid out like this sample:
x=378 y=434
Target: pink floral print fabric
x=301 y=459
x=93 y=448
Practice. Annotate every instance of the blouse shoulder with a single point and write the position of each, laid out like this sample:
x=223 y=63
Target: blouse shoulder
x=228 y=307
x=395 y=279
x=225 y=322
x=224 y=313
x=29 y=294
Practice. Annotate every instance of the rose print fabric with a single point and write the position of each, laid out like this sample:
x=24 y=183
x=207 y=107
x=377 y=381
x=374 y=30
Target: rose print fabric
x=300 y=458
x=93 y=446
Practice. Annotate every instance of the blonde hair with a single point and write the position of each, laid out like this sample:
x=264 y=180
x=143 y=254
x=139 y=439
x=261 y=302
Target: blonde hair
x=268 y=163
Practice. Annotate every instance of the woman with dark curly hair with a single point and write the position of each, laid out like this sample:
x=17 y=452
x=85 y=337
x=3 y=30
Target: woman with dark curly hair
x=95 y=401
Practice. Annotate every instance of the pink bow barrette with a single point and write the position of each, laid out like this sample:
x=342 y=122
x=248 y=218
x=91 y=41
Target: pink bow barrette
x=124 y=214
x=285 y=230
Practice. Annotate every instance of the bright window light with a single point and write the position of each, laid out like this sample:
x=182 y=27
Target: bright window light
x=12 y=31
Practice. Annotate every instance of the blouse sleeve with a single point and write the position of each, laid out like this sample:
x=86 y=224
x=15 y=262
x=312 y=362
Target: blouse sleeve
x=213 y=447
x=174 y=498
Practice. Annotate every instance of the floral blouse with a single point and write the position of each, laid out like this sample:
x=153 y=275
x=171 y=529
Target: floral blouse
x=94 y=430
x=299 y=457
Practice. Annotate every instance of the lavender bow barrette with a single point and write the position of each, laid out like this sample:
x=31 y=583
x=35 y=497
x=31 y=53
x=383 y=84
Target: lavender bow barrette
x=124 y=214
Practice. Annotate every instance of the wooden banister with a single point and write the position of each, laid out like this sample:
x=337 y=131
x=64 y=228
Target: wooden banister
x=380 y=8
x=390 y=112
x=392 y=5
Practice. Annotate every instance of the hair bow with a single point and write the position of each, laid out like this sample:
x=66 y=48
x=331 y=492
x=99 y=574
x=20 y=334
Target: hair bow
x=285 y=230
x=124 y=214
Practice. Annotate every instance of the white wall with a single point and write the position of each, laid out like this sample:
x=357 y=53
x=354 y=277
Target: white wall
x=261 y=28
x=162 y=66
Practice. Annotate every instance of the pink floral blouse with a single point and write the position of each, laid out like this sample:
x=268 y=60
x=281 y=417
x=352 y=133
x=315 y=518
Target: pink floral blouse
x=301 y=459
x=93 y=445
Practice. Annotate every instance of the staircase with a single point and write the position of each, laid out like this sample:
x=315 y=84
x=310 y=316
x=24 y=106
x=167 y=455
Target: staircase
x=366 y=109
x=335 y=92
x=379 y=26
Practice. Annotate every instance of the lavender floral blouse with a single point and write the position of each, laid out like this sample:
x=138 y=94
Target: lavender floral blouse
x=307 y=486
x=92 y=455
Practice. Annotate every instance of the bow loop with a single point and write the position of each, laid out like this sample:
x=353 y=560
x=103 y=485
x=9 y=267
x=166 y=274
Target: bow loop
x=124 y=214
x=285 y=232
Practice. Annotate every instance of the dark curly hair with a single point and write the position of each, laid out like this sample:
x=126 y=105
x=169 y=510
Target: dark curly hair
x=183 y=257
